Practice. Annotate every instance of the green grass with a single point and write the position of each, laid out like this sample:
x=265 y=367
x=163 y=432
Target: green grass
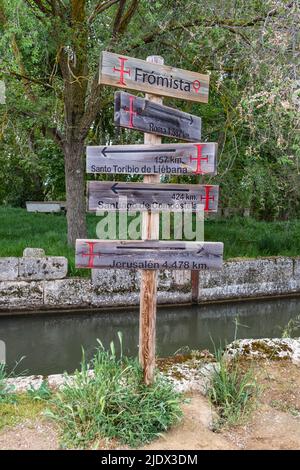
x=114 y=403
x=242 y=237
x=16 y=407
x=20 y=408
x=232 y=391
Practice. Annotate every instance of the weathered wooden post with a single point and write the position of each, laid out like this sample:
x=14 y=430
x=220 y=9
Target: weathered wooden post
x=148 y=292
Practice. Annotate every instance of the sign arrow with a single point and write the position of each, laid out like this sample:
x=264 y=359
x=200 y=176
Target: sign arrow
x=115 y=188
x=149 y=248
x=104 y=151
x=161 y=110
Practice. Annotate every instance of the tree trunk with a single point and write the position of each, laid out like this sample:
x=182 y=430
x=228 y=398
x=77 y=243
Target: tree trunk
x=75 y=191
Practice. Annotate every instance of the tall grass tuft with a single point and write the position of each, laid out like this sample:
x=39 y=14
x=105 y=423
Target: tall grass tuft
x=112 y=402
x=7 y=394
x=232 y=391
x=291 y=328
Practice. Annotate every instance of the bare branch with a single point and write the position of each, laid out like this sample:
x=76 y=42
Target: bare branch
x=26 y=78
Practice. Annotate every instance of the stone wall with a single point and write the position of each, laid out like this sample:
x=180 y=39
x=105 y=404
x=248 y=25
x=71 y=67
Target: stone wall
x=243 y=278
x=37 y=282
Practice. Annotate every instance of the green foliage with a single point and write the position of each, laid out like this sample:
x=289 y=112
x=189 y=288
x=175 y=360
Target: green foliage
x=113 y=403
x=291 y=328
x=41 y=393
x=7 y=392
x=4 y=389
x=232 y=391
x=21 y=408
x=253 y=110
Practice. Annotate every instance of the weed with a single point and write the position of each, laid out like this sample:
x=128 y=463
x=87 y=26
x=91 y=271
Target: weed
x=112 y=402
x=42 y=393
x=7 y=394
x=292 y=326
x=232 y=391
x=21 y=408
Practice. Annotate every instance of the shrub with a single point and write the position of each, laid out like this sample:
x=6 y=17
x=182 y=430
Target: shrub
x=112 y=402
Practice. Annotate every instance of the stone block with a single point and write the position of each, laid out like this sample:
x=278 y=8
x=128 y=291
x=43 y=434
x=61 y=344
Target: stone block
x=115 y=280
x=34 y=253
x=9 y=269
x=21 y=294
x=52 y=267
x=99 y=299
x=67 y=292
x=297 y=268
x=253 y=271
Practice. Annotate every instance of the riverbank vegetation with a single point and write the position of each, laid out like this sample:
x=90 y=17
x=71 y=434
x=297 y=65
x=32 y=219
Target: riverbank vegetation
x=23 y=424
x=233 y=391
x=113 y=403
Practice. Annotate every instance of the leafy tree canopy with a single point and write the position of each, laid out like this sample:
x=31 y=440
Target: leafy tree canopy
x=49 y=59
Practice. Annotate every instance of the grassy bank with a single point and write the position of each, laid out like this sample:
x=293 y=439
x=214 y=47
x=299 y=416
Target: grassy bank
x=242 y=237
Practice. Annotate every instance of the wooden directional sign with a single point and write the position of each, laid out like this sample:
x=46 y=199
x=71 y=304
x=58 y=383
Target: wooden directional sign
x=178 y=159
x=111 y=196
x=142 y=254
x=136 y=74
x=147 y=116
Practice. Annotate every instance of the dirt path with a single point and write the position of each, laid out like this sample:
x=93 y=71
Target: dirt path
x=30 y=435
x=193 y=433
x=275 y=424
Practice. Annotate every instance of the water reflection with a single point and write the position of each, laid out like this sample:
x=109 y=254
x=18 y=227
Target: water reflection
x=52 y=343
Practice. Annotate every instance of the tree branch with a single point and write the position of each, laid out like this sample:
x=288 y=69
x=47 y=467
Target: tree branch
x=56 y=135
x=226 y=23
x=26 y=78
x=118 y=17
x=127 y=17
x=100 y=8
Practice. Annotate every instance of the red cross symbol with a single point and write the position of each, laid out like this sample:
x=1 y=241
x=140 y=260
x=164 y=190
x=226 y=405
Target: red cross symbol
x=130 y=111
x=207 y=197
x=199 y=159
x=122 y=71
x=91 y=254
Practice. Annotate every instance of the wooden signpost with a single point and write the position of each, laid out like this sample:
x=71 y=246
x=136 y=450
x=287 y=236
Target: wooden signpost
x=170 y=159
x=107 y=195
x=147 y=116
x=155 y=78
x=151 y=197
x=125 y=254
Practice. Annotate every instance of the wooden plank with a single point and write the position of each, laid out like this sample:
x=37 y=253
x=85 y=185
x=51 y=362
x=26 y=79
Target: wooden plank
x=136 y=74
x=111 y=196
x=170 y=159
x=144 y=115
x=149 y=255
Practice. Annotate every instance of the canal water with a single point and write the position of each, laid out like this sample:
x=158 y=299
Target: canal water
x=52 y=342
